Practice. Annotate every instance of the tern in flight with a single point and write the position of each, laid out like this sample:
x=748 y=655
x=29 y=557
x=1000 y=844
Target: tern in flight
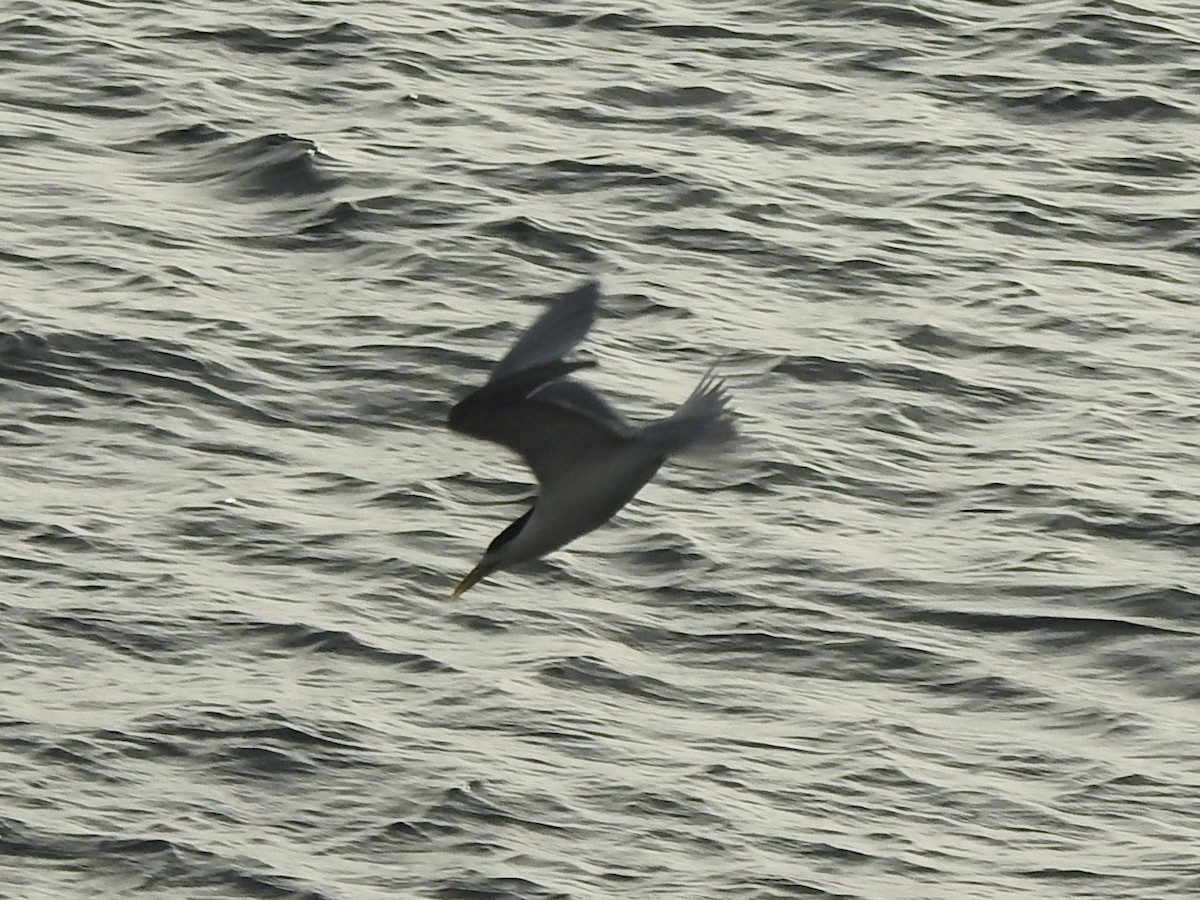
x=588 y=460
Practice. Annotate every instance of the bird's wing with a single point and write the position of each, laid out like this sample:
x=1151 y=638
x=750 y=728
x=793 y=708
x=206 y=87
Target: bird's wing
x=527 y=405
x=553 y=440
x=579 y=397
x=556 y=331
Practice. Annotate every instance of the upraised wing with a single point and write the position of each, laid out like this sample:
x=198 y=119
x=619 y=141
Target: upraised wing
x=554 y=334
x=552 y=422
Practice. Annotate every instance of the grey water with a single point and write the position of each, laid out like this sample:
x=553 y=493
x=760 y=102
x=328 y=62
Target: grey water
x=931 y=630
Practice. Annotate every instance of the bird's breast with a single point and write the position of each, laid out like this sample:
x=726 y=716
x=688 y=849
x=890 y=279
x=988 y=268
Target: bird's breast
x=585 y=497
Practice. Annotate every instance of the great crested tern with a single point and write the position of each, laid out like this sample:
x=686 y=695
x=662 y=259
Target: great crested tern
x=588 y=460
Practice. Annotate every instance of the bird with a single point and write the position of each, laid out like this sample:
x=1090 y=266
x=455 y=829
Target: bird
x=589 y=461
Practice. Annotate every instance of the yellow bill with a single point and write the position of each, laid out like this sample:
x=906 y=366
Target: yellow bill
x=476 y=575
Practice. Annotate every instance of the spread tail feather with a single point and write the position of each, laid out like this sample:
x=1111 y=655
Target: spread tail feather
x=703 y=423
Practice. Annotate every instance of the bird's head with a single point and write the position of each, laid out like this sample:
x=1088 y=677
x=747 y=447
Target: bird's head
x=499 y=555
